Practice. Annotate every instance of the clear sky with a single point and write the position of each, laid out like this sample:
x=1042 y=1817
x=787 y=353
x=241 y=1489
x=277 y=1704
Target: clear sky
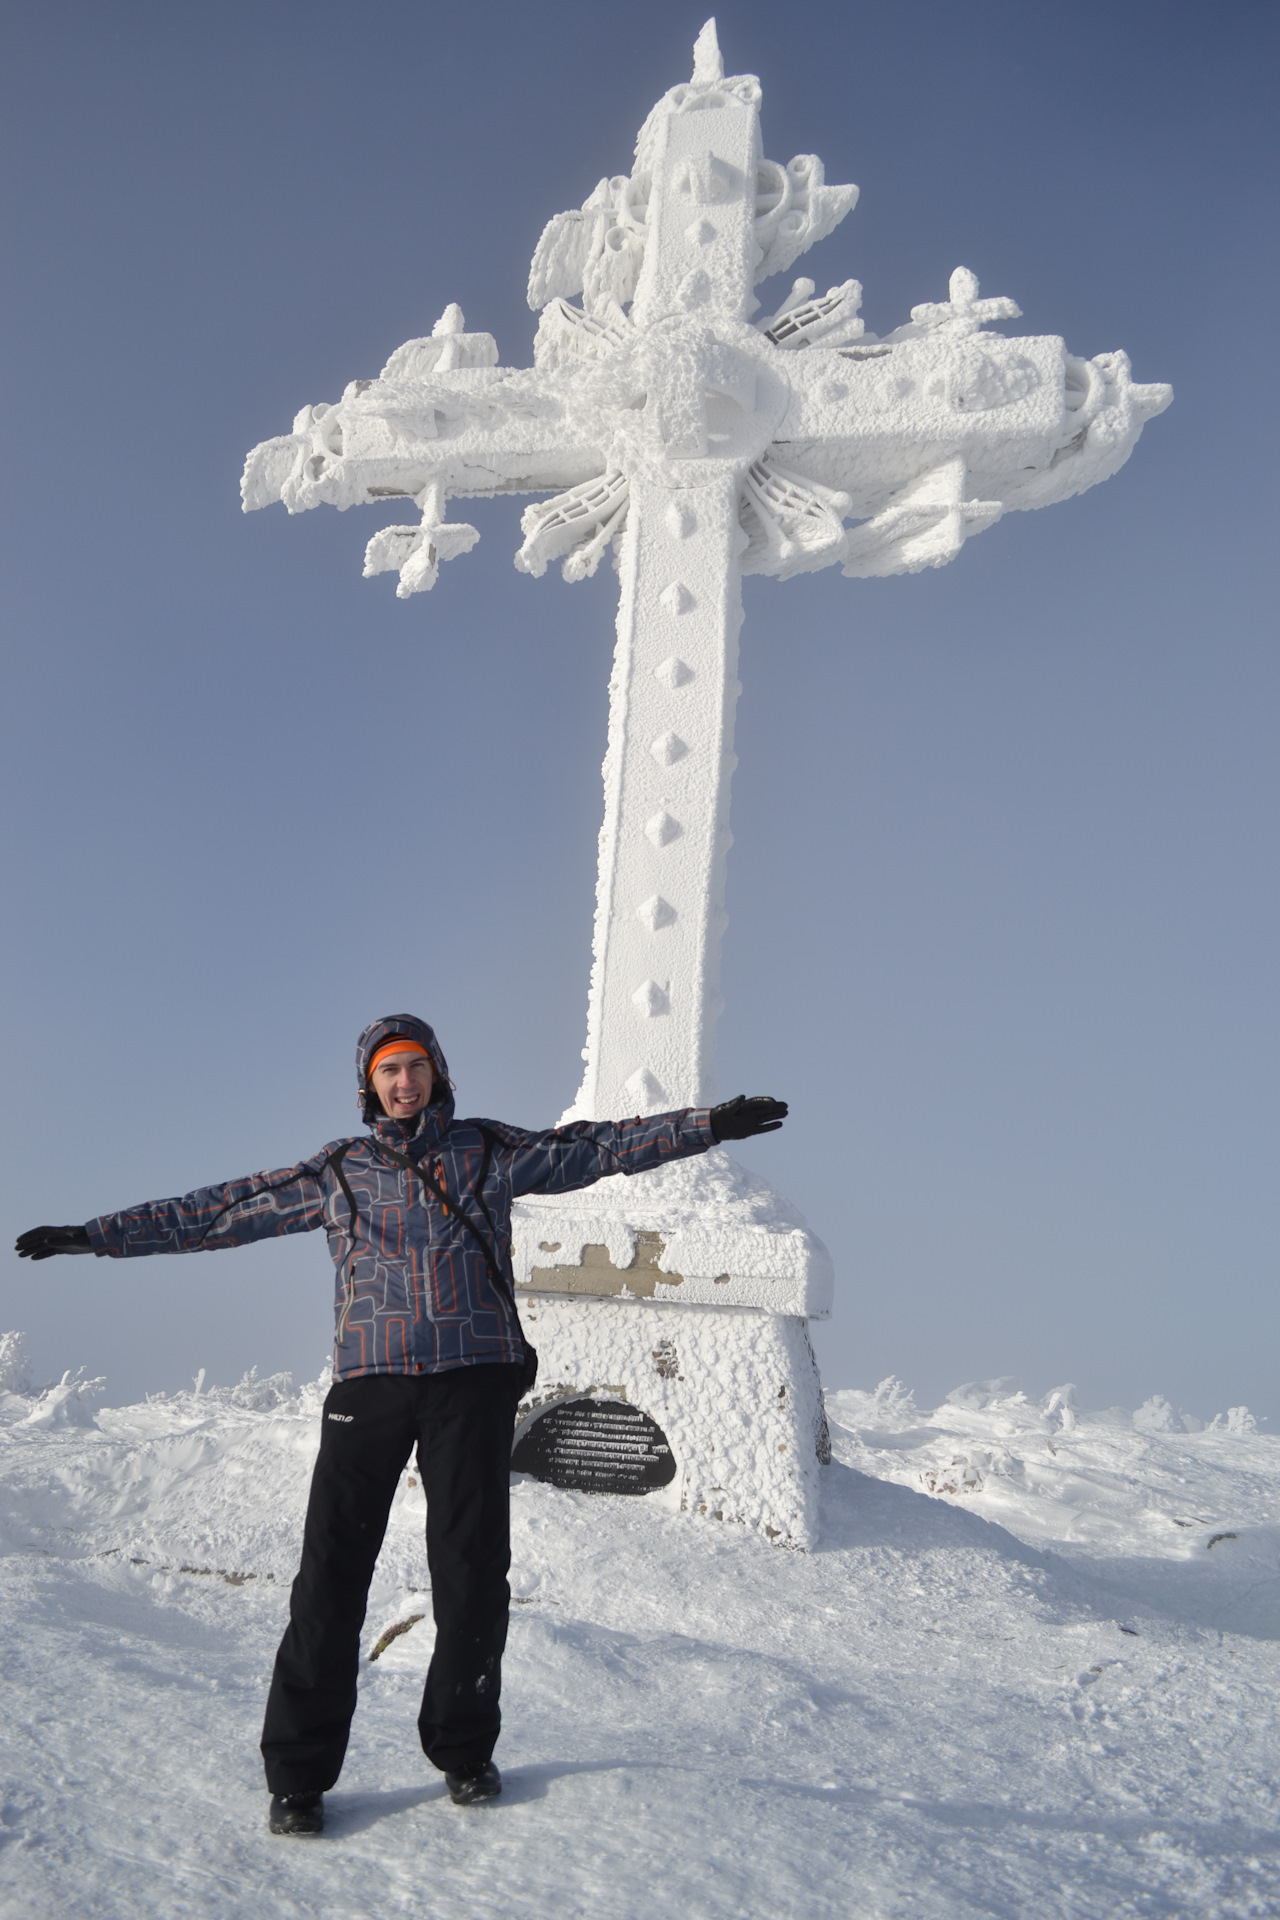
x=1003 y=893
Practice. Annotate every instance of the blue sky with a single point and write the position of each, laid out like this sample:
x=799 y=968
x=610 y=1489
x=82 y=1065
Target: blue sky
x=1003 y=892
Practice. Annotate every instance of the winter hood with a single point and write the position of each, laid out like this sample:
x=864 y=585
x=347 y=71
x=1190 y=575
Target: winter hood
x=405 y=1026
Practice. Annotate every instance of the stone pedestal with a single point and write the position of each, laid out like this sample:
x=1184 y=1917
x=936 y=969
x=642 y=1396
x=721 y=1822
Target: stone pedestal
x=686 y=1294
x=735 y=1392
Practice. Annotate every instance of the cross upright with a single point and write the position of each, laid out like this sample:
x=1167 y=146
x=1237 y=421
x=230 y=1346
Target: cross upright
x=667 y=421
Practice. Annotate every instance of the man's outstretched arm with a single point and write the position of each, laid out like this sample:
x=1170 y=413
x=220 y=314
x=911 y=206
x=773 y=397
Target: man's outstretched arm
x=578 y=1155
x=259 y=1207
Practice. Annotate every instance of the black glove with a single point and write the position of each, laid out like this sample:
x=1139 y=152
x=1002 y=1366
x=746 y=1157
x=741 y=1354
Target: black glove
x=43 y=1242
x=739 y=1119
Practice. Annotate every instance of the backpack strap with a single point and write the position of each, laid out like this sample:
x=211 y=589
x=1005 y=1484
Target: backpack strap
x=335 y=1160
x=490 y=1142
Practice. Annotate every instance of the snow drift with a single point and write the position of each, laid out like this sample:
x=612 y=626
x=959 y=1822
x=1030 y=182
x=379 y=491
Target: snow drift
x=1031 y=1667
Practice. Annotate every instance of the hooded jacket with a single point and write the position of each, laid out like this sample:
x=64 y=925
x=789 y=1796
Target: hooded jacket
x=414 y=1289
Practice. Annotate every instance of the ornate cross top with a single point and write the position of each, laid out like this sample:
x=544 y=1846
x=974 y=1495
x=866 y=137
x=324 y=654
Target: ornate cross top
x=700 y=442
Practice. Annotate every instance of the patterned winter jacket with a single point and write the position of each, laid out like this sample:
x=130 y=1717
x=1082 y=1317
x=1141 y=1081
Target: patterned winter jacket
x=414 y=1289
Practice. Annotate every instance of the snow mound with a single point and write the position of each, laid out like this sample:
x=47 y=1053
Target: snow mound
x=1148 y=1500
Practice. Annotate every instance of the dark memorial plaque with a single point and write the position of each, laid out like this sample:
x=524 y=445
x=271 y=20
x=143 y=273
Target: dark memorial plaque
x=595 y=1446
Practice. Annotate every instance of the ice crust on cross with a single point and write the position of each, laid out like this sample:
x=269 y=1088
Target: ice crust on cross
x=669 y=422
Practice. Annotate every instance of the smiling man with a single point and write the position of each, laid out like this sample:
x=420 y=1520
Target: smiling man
x=429 y=1355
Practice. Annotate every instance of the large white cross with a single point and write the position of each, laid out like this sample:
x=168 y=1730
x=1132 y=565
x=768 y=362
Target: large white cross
x=700 y=443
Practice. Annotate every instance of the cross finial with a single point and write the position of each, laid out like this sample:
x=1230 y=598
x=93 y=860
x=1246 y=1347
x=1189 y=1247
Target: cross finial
x=708 y=66
x=964 y=312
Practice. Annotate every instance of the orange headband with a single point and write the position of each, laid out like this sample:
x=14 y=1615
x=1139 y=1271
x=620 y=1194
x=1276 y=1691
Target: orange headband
x=397 y=1044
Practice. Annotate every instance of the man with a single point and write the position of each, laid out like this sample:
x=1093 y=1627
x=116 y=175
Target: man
x=429 y=1354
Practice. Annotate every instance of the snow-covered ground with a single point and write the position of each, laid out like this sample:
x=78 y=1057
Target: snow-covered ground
x=1030 y=1670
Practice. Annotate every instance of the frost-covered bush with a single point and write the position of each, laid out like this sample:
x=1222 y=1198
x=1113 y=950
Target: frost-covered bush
x=1062 y=1403
x=15 y=1366
x=263 y=1395
x=1234 y=1420
x=1157 y=1416
x=891 y=1405
x=252 y=1393
x=69 y=1404
x=977 y=1395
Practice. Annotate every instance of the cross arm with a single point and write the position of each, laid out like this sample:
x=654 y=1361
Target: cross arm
x=930 y=435
x=479 y=431
x=441 y=420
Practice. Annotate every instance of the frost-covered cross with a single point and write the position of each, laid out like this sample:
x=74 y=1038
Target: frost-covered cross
x=668 y=421
x=701 y=444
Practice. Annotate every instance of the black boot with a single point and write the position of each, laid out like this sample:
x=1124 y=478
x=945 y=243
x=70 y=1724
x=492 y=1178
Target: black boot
x=300 y=1813
x=480 y=1781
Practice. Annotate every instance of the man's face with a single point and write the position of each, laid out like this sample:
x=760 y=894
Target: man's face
x=403 y=1083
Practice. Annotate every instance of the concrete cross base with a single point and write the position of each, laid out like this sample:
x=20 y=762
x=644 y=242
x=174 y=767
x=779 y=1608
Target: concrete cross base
x=702 y=1232
x=735 y=1392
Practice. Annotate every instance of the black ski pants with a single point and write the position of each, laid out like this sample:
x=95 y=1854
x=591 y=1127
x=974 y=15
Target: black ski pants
x=461 y=1423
